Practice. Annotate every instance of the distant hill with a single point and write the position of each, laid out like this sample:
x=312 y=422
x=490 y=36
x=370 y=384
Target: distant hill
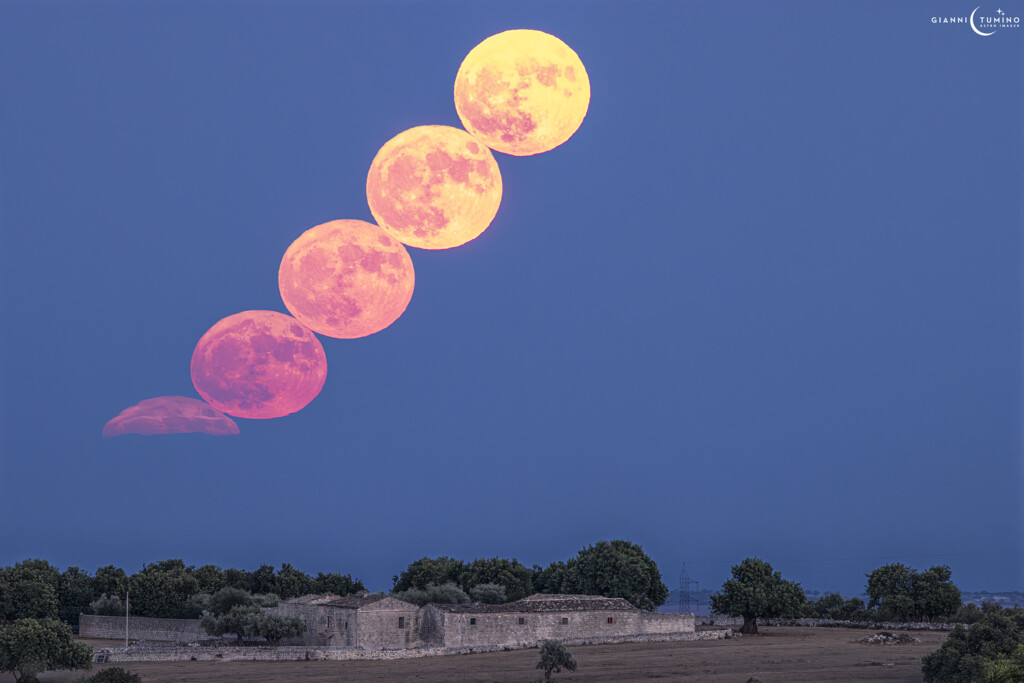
x=1003 y=598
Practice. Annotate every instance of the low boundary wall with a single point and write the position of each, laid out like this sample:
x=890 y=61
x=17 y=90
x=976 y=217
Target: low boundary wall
x=724 y=620
x=179 y=653
x=140 y=628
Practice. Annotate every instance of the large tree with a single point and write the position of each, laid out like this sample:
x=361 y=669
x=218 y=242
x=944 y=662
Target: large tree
x=337 y=584
x=614 y=569
x=74 y=594
x=426 y=571
x=162 y=589
x=30 y=646
x=756 y=591
x=26 y=597
x=901 y=593
x=512 y=574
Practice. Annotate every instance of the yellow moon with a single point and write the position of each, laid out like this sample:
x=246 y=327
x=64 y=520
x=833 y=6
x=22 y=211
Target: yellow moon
x=522 y=92
x=433 y=187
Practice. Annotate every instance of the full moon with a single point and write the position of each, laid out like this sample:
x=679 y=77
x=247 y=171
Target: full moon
x=522 y=92
x=434 y=187
x=259 y=364
x=346 y=279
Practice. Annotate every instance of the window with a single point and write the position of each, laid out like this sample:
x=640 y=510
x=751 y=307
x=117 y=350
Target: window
x=522 y=620
x=330 y=622
x=346 y=625
x=401 y=622
x=565 y=621
x=472 y=621
x=611 y=620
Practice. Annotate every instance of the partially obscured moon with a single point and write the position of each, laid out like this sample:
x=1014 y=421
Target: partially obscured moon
x=434 y=187
x=259 y=364
x=522 y=92
x=346 y=279
x=170 y=415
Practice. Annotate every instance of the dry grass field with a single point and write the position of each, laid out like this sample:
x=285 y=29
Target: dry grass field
x=777 y=655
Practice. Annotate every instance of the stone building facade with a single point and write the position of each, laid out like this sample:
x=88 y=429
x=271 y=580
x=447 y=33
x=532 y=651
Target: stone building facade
x=526 y=622
x=386 y=623
x=369 y=622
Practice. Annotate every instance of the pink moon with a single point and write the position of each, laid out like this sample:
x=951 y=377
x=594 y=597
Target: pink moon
x=259 y=364
x=170 y=415
x=346 y=279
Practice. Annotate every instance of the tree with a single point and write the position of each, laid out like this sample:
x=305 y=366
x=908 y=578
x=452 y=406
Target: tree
x=291 y=582
x=263 y=580
x=489 y=593
x=437 y=571
x=614 y=569
x=274 y=627
x=74 y=594
x=108 y=605
x=239 y=620
x=224 y=600
x=890 y=589
x=963 y=655
x=240 y=578
x=26 y=597
x=162 y=589
x=336 y=584
x=446 y=594
x=196 y=605
x=902 y=593
x=211 y=579
x=109 y=580
x=554 y=657
x=516 y=578
x=754 y=591
x=832 y=606
x=30 y=646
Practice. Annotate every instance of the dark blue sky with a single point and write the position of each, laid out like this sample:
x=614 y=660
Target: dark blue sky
x=766 y=301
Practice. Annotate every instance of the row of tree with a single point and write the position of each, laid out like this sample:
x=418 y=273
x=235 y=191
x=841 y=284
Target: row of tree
x=896 y=593
x=36 y=589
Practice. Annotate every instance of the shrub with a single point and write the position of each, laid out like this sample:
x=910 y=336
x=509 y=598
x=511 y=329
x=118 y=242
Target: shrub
x=114 y=674
x=108 y=605
x=488 y=593
x=963 y=655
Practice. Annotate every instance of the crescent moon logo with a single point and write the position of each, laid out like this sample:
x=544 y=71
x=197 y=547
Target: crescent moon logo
x=975 y=28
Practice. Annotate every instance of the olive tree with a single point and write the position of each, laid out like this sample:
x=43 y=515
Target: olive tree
x=755 y=591
x=30 y=646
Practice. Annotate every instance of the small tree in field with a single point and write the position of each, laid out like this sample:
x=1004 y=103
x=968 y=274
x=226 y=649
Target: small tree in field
x=554 y=657
x=754 y=591
x=30 y=646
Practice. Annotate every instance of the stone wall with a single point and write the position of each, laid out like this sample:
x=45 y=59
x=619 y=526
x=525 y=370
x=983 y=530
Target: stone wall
x=725 y=620
x=325 y=625
x=525 y=629
x=140 y=628
x=179 y=653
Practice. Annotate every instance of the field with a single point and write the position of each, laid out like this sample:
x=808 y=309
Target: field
x=778 y=655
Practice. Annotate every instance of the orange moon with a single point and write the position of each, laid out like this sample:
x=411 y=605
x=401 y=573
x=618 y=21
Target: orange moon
x=434 y=187
x=259 y=364
x=522 y=92
x=346 y=279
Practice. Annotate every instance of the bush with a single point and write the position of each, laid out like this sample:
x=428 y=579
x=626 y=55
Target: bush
x=446 y=594
x=265 y=600
x=488 y=593
x=108 y=606
x=114 y=674
x=224 y=600
x=274 y=627
x=962 y=657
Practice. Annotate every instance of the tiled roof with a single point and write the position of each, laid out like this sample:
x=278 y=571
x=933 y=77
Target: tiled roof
x=544 y=603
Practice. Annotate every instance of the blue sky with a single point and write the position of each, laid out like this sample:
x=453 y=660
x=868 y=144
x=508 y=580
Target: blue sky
x=766 y=301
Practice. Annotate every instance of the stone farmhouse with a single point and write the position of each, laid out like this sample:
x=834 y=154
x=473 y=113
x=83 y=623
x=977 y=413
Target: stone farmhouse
x=386 y=623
